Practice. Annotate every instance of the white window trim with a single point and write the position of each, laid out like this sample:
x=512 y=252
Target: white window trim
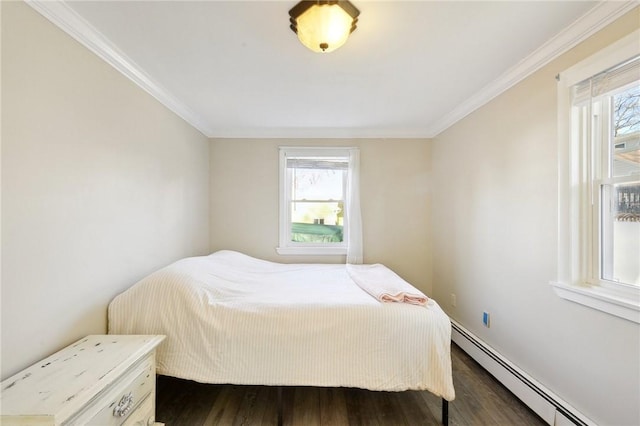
x=620 y=300
x=286 y=246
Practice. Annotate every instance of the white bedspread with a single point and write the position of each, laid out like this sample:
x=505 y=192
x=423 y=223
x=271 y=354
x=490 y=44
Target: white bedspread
x=231 y=318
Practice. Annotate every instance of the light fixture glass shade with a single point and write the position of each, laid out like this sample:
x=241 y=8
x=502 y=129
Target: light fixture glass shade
x=323 y=26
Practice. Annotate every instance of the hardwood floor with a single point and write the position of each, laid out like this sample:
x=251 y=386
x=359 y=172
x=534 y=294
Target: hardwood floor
x=480 y=400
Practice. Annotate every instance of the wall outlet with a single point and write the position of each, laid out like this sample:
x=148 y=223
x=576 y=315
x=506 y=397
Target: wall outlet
x=486 y=319
x=454 y=300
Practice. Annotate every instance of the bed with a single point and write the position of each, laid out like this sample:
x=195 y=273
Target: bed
x=233 y=319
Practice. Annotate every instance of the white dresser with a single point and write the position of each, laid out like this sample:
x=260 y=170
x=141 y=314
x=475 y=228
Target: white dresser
x=99 y=380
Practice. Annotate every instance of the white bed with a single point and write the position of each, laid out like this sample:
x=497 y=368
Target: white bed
x=231 y=318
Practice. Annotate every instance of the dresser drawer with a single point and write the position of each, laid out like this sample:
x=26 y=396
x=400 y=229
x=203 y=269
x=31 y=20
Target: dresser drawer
x=120 y=400
x=144 y=414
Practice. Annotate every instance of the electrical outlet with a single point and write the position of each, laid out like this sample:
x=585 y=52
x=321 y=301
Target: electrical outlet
x=486 y=319
x=454 y=300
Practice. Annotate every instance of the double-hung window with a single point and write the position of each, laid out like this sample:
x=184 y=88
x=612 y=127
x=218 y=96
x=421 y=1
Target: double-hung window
x=599 y=137
x=319 y=202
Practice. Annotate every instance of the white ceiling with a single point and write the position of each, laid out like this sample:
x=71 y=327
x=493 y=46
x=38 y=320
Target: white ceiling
x=235 y=69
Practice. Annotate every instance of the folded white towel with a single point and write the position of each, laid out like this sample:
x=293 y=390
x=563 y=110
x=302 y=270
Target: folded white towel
x=385 y=285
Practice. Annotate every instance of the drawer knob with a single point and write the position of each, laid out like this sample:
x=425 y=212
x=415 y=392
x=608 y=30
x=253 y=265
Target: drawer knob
x=123 y=406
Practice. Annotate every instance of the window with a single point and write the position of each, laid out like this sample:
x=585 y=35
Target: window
x=319 y=202
x=599 y=137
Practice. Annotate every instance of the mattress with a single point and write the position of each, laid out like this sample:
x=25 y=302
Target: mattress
x=231 y=318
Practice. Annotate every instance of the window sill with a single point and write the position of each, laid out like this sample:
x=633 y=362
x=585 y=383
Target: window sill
x=623 y=304
x=322 y=251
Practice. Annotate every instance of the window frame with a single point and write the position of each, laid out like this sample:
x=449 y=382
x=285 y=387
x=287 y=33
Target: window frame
x=286 y=246
x=578 y=277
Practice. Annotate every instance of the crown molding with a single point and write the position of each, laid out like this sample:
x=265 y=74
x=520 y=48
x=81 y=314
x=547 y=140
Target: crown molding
x=588 y=24
x=64 y=17
x=320 y=133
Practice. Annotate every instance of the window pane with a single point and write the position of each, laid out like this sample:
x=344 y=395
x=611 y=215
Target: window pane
x=317 y=184
x=321 y=212
x=621 y=233
x=317 y=206
x=317 y=222
x=626 y=132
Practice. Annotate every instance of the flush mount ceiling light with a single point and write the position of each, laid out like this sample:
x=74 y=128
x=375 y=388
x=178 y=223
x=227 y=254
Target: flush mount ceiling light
x=323 y=26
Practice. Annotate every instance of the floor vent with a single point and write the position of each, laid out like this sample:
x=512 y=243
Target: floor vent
x=541 y=400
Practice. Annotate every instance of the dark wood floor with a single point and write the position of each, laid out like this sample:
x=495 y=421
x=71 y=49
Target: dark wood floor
x=480 y=400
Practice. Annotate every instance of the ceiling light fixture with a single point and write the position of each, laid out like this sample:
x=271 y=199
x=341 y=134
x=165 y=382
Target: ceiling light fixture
x=323 y=26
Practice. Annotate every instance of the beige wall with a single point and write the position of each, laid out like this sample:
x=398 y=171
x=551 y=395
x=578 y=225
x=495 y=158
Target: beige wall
x=394 y=198
x=100 y=186
x=494 y=226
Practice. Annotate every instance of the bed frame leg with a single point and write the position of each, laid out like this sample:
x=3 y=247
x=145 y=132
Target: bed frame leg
x=280 y=405
x=445 y=412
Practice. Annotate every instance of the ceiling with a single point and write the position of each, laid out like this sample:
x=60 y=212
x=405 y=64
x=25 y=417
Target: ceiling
x=235 y=69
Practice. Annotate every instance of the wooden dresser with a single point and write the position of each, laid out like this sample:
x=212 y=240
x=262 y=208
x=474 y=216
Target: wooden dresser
x=99 y=380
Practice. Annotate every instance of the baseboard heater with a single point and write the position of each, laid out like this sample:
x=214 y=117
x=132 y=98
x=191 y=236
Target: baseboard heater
x=541 y=400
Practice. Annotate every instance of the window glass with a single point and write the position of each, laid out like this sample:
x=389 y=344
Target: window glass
x=621 y=233
x=317 y=205
x=620 y=202
x=625 y=144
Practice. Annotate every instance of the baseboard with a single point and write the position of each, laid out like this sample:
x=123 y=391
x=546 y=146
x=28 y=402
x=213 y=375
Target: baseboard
x=551 y=408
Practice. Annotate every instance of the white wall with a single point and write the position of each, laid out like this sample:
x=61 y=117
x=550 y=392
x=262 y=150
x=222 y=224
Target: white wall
x=494 y=226
x=394 y=200
x=100 y=186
